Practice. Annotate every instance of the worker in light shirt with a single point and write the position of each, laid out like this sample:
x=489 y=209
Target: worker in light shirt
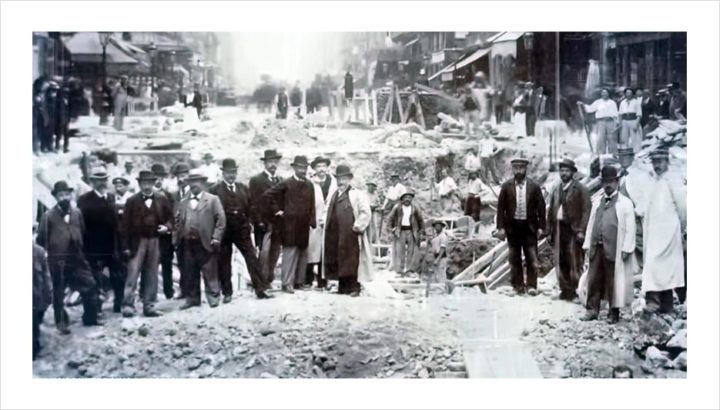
x=606 y=115
x=473 y=203
x=396 y=190
x=630 y=114
x=472 y=162
x=447 y=189
x=488 y=149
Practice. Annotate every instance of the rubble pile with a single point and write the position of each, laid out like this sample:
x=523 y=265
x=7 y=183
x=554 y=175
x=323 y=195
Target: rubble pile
x=462 y=252
x=653 y=346
x=274 y=133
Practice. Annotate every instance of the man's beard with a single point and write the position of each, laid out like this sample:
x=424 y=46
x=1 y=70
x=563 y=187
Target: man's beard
x=565 y=179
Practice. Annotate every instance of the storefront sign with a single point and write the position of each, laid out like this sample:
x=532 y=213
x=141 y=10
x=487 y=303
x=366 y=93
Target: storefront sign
x=446 y=77
x=438 y=57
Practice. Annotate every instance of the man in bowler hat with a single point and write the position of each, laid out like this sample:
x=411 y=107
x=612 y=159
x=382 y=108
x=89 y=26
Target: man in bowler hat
x=267 y=230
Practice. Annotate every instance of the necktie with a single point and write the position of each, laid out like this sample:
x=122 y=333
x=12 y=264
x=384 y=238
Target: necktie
x=232 y=187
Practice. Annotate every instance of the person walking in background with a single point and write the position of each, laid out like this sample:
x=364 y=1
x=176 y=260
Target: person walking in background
x=447 y=191
x=567 y=218
x=664 y=221
x=210 y=169
x=438 y=246
x=606 y=116
x=407 y=227
x=630 y=113
x=281 y=103
x=610 y=242
x=147 y=216
x=60 y=233
x=200 y=226
x=101 y=233
x=235 y=200
x=521 y=219
x=325 y=186
x=678 y=102
x=347 y=254
x=293 y=202
x=62 y=120
x=268 y=233
x=49 y=114
x=518 y=107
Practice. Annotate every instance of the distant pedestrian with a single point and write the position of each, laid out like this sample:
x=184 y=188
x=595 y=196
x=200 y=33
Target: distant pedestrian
x=664 y=221
x=268 y=231
x=235 y=200
x=347 y=253
x=349 y=86
x=488 y=149
x=210 y=169
x=630 y=112
x=199 y=232
x=678 y=102
x=439 y=248
x=62 y=119
x=296 y=100
x=521 y=219
x=648 y=106
x=120 y=99
x=407 y=227
x=447 y=191
x=49 y=113
x=530 y=105
x=197 y=101
x=606 y=117
x=567 y=218
x=610 y=242
x=293 y=201
x=471 y=112
x=60 y=233
x=325 y=186
x=282 y=104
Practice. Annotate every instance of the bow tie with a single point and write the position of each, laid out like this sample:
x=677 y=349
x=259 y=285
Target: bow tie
x=195 y=197
x=608 y=199
x=146 y=197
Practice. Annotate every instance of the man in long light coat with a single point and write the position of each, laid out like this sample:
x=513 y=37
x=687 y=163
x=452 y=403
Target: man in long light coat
x=347 y=253
x=325 y=186
x=612 y=263
x=664 y=219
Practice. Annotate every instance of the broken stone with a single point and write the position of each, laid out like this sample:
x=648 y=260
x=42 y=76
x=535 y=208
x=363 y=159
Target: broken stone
x=143 y=330
x=655 y=358
x=329 y=365
x=251 y=363
x=206 y=371
x=679 y=341
x=424 y=373
x=456 y=367
x=74 y=364
x=680 y=362
x=194 y=364
x=266 y=331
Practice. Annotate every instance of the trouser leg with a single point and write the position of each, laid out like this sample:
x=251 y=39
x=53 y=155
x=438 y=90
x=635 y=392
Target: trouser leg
x=66 y=138
x=150 y=274
x=224 y=269
x=184 y=286
x=57 y=272
x=531 y=261
x=625 y=132
x=166 y=263
x=398 y=253
x=291 y=255
x=131 y=282
x=310 y=273
x=244 y=244
x=301 y=267
x=530 y=123
x=81 y=279
x=97 y=264
x=601 y=143
x=516 y=268
x=209 y=274
x=191 y=267
x=37 y=319
x=566 y=273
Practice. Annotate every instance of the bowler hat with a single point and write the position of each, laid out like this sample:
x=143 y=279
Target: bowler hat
x=98 y=173
x=61 y=186
x=270 y=154
x=626 y=151
x=300 y=161
x=660 y=153
x=520 y=160
x=229 y=164
x=208 y=156
x=120 y=180
x=343 y=170
x=158 y=169
x=181 y=167
x=567 y=163
x=146 y=176
x=129 y=163
x=320 y=160
x=371 y=183
x=408 y=192
x=196 y=176
x=609 y=173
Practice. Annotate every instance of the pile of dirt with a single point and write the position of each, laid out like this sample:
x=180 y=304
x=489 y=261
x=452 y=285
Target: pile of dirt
x=461 y=253
x=274 y=133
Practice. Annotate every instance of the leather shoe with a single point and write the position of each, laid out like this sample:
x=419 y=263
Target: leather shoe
x=188 y=305
x=128 y=313
x=63 y=329
x=354 y=294
x=589 y=316
x=152 y=313
x=288 y=289
x=264 y=295
x=532 y=292
x=227 y=298
x=96 y=322
x=613 y=316
x=213 y=304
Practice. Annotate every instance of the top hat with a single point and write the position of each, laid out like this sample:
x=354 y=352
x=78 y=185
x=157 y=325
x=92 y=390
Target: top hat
x=660 y=153
x=181 y=167
x=196 y=176
x=408 y=192
x=567 y=163
x=609 y=173
x=146 y=176
x=208 y=156
x=343 y=170
x=320 y=160
x=158 y=169
x=300 y=161
x=519 y=160
x=270 y=154
x=626 y=151
x=61 y=186
x=120 y=180
x=229 y=164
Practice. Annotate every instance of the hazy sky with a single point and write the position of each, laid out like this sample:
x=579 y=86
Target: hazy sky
x=289 y=56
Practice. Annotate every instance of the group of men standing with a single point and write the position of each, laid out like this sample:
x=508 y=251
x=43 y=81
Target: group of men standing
x=604 y=228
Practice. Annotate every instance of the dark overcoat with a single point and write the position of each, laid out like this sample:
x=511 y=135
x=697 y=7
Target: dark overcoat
x=507 y=203
x=132 y=226
x=101 y=228
x=296 y=198
x=259 y=205
x=576 y=207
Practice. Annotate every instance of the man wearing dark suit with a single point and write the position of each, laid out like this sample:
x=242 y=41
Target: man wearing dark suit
x=166 y=248
x=267 y=239
x=101 y=232
x=181 y=171
x=235 y=200
x=293 y=200
x=567 y=219
x=147 y=215
x=61 y=232
x=521 y=218
x=199 y=229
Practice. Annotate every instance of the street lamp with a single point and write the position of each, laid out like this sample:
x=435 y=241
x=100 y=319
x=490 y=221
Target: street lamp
x=528 y=42
x=104 y=37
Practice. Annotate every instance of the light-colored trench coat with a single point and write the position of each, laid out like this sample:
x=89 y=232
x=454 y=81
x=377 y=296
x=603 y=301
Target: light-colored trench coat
x=361 y=211
x=624 y=270
x=315 y=243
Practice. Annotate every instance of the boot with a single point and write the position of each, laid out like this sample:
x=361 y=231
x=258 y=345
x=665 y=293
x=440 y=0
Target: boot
x=614 y=316
x=589 y=315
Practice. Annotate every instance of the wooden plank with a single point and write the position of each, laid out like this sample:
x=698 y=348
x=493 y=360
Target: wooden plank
x=400 y=107
x=154 y=152
x=387 y=115
x=374 y=108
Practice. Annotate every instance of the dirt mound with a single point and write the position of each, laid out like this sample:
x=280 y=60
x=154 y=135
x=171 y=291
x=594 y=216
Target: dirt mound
x=274 y=133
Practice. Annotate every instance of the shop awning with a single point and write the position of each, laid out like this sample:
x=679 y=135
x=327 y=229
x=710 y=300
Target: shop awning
x=462 y=62
x=506 y=36
x=411 y=42
x=85 y=47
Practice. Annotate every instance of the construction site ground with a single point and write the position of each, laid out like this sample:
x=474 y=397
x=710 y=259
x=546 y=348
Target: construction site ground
x=383 y=333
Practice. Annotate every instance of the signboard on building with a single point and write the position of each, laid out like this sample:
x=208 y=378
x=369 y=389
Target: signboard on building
x=438 y=57
x=446 y=77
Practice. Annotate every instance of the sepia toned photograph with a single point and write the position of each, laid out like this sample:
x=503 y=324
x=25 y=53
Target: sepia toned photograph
x=359 y=204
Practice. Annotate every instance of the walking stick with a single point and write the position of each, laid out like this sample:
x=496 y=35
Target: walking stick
x=587 y=129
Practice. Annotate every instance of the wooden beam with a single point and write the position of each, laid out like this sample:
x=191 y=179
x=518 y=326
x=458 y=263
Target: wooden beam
x=400 y=107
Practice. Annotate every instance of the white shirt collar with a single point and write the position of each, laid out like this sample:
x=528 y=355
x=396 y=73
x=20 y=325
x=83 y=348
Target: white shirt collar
x=269 y=174
x=611 y=195
x=521 y=184
x=99 y=194
x=200 y=195
x=566 y=186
